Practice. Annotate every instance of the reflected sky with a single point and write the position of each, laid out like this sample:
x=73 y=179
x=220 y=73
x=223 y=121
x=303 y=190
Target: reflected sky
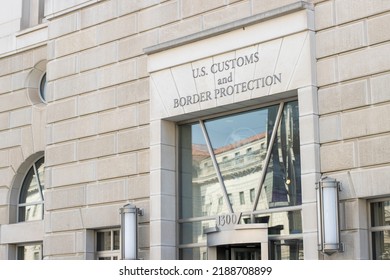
x=231 y=129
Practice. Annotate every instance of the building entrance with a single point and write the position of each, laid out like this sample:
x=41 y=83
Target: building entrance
x=241 y=242
x=239 y=252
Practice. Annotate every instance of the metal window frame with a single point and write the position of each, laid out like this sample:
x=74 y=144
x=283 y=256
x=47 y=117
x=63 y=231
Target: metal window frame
x=371 y=228
x=108 y=253
x=278 y=119
x=200 y=121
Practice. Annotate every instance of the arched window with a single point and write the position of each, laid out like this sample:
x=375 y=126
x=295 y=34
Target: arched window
x=31 y=198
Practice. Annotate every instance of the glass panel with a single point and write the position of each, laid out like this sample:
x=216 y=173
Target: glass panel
x=380 y=213
x=116 y=240
x=41 y=174
x=250 y=251
x=30 y=189
x=31 y=212
x=20 y=253
x=194 y=232
x=30 y=193
x=244 y=253
x=290 y=249
x=252 y=195
x=103 y=242
x=279 y=223
x=193 y=253
x=29 y=252
x=380 y=216
x=282 y=185
x=240 y=144
x=381 y=245
x=198 y=178
x=242 y=198
x=42 y=87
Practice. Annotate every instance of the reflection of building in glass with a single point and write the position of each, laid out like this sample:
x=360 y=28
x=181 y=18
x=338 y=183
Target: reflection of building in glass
x=380 y=213
x=240 y=167
x=386 y=250
x=386 y=235
x=32 y=193
x=248 y=162
x=30 y=252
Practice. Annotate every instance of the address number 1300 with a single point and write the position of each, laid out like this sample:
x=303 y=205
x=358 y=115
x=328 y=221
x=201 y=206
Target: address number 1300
x=228 y=219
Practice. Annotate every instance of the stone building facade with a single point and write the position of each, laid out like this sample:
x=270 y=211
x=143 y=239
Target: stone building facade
x=152 y=102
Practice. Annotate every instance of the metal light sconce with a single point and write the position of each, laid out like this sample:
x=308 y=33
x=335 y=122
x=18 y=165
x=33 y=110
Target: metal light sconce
x=129 y=231
x=328 y=216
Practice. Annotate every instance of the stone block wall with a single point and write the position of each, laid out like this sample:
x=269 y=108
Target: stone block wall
x=22 y=134
x=98 y=134
x=95 y=133
x=353 y=77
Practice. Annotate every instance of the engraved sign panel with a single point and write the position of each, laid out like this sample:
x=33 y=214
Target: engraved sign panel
x=244 y=74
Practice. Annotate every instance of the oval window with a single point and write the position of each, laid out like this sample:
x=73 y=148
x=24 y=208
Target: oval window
x=42 y=88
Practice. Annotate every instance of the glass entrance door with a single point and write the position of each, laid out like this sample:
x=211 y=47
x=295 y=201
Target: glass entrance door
x=239 y=252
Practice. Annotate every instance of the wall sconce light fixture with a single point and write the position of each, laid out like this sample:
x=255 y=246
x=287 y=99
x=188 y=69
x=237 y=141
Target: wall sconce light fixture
x=328 y=216
x=129 y=231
